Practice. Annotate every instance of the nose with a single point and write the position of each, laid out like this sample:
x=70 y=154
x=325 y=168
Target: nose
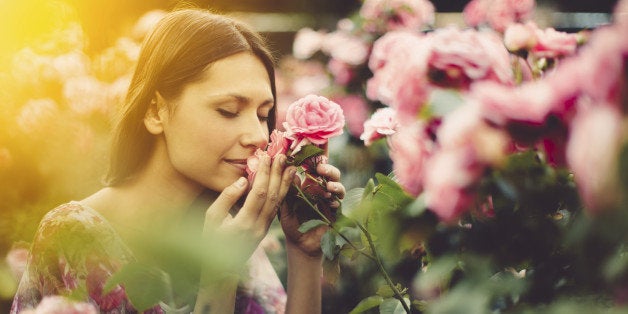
x=254 y=133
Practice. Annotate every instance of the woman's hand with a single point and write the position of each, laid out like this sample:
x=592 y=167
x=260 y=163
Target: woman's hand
x=309 y=243
x=250 y=224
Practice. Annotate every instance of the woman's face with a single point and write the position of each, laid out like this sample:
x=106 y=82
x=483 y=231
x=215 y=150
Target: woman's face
x=219 y=121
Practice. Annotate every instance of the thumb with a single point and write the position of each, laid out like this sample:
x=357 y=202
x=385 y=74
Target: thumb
x=217 y=212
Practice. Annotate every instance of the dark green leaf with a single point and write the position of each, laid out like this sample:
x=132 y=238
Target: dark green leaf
x=328 y=245
x=306 y=152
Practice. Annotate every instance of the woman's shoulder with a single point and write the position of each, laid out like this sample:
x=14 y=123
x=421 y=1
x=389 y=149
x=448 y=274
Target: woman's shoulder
x=75 y=226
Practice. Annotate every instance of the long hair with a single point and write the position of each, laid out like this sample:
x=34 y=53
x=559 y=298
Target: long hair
x=177 y=51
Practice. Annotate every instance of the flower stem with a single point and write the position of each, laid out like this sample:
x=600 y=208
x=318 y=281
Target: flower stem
x=382 y=270
x=374 y=257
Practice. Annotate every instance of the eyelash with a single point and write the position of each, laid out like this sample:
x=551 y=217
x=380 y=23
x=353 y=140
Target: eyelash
x=229 y=114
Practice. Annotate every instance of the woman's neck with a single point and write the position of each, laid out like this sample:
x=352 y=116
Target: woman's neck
x=157 y=192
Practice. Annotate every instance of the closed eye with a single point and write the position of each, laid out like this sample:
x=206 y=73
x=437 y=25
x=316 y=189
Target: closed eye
x=227 y=114
x=263 y=118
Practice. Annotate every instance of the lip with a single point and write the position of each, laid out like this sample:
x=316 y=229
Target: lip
x=238 y=163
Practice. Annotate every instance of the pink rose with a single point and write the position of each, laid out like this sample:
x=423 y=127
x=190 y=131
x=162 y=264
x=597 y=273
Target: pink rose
x=356 y=112
x=60 y=305
x=465 y=126
x=474 y=13
x=531 y=102
x=410 y=147
x=279 y=144
x=342 y=72
x=592 y=153
x=500 y=15
x=346 y=47
x=448 y=177
x=620 y=14
x=390 y=47
x=252 y=163
x=313 y=119
x=389 y=15
x=520 y=37
x=459 y=57
x=382 y=123
x=306 y=43
x=554 y=44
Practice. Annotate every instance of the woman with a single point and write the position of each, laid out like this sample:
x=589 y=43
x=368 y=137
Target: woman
x=201 y=101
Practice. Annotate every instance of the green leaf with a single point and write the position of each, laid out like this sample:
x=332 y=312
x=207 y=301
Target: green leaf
x=438 y=272
x=306 y=152
x=385 y=291
x=145 y=285
x=328 y=245
x=310 y=224
x=367 y=304
x=392 y=306
x=352 y=200
x=368 y=188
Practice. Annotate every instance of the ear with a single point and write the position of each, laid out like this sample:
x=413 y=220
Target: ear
x=155 y=115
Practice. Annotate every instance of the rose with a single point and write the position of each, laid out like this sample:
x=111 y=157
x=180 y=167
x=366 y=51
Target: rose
x=346 y=47
x=342 y=72
x=313 y=120
x=409 y=149
x=358 y=112
x=252 y=163
x=306 y=43
x=382 y=123
x=554 y=44
x=461 y=56
x=520 y=37
x=594 y=144
x=386 y=15
x=279 y=144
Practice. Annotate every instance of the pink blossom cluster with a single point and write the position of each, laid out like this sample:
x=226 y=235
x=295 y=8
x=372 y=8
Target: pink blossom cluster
x=498 y=14
x=408 y=66
x=541 y=43
x=571 y=121
x=389 y=15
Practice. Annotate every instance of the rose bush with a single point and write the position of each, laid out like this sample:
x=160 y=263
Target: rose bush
x=509 y=150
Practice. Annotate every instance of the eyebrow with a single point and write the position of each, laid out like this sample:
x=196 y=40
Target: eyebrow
x=244 y=100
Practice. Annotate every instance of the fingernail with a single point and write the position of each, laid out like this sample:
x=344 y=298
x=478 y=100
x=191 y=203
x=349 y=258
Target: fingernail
x=293 y=171
x=327 y=195
x=241 y=182
x=282 y=159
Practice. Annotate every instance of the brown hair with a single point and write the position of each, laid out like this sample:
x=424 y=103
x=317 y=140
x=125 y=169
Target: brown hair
x=177 y=51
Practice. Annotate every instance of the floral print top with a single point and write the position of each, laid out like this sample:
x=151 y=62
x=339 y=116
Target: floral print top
x=75 y=251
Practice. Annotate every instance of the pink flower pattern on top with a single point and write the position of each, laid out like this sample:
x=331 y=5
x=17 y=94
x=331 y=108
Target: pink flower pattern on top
x=93 y=254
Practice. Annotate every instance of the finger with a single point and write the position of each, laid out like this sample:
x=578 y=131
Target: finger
x=328 y=171
x=336 y=188
x=274 y=185
x=217 y=212
x=289 y=177
x=257 y=195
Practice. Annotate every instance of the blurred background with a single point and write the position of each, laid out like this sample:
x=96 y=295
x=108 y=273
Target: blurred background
x=65 y=65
